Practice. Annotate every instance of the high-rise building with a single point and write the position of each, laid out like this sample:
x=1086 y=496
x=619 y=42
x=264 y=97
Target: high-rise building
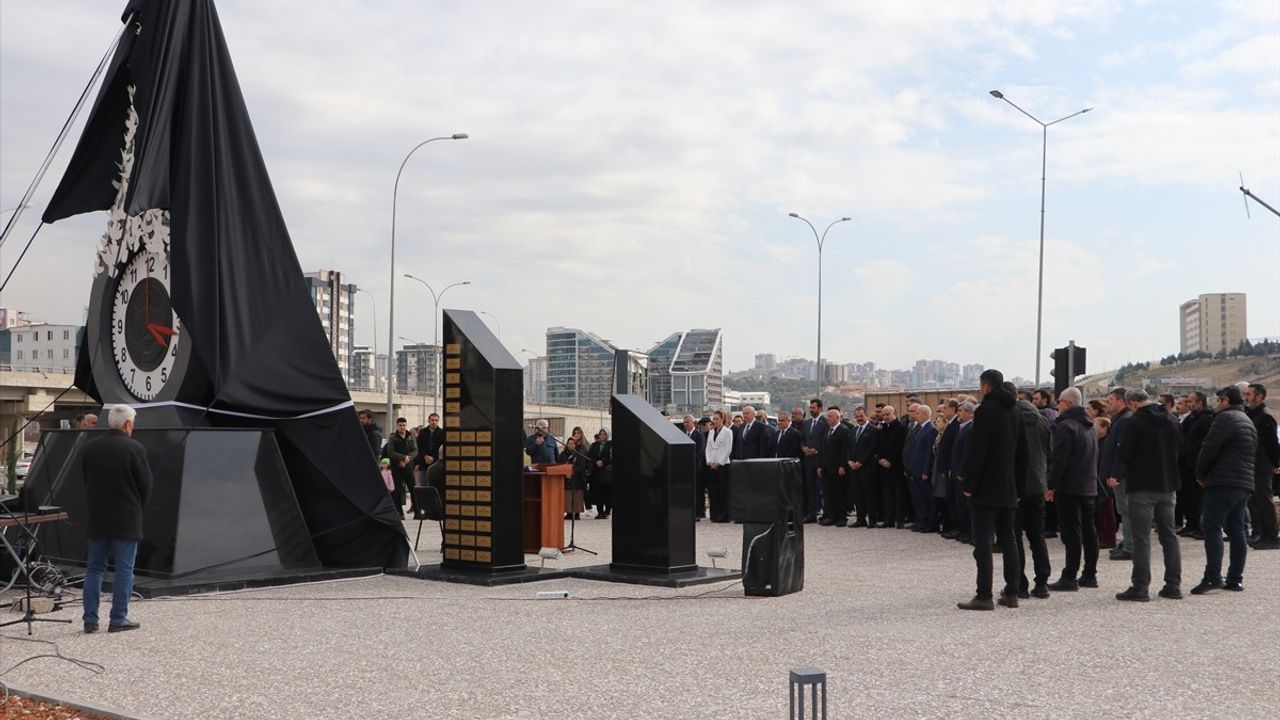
x=1213 y=323
x=660 y=356
x=535 y=380
x=41 y=347
x=579 y=368
x=416 y=369
x=697 y=372
x=335 y=303
x=367 y=371
x=766 y=361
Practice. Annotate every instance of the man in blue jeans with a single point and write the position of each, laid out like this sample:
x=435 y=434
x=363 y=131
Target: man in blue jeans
x=1225 y=470
x=117 y=482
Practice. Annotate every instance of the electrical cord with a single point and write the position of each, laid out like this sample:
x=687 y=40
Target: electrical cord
x=93 y=667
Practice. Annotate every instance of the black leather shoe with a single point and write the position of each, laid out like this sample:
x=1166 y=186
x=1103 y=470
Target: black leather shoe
x=977 y=603
x=842 y=522
x=1265 y=545
x=1206 y=585
x=1041 y=592
x=90 y=627
x=1234 y=586
x=860 y=524
x=810 y=519
x=826 y=522
x=1120 y=555
x=1088 y=581
x=1009 y=601
x=1024 y=594
x=1169 y=592
x=1133 y=595
x=126 y=625
x=1049 y=535
x=951 y=534
x=1064 y=585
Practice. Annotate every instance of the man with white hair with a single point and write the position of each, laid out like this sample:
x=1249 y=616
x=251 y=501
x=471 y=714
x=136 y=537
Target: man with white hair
x=540 y=446
x=117 y=482
x=1073 y=485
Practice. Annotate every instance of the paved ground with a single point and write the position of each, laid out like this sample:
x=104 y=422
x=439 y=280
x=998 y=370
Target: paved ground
x=878 y=613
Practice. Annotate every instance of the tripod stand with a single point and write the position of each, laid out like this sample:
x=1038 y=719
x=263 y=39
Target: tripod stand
x=10 y=519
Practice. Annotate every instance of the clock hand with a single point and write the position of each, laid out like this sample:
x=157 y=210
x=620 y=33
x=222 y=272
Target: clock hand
x=160 y=332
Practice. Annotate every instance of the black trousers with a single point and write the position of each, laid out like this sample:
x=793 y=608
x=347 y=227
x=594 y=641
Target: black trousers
x=887 y=481
x=835 y=493
x=1262 y=513
x=700 y=492
x=404 y=480
x=1075 y=518
x=1187 y=505
x=865 y=495
x=718 y=490
x=998 y=522
x=603 y=497
x=812 y=491
x=1029 y=521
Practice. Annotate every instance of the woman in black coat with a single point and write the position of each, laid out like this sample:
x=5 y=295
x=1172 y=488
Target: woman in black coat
x=576 y=485
x=602 y=474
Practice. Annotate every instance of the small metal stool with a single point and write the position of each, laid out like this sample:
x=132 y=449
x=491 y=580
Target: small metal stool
x=813 y=677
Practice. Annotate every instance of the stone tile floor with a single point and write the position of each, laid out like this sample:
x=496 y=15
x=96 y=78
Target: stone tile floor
x=878 y=613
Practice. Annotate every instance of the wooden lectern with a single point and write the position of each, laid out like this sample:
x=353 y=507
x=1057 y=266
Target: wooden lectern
x=544 y=506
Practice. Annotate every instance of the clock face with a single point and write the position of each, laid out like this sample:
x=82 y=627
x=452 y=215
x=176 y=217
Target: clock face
x=145 y=332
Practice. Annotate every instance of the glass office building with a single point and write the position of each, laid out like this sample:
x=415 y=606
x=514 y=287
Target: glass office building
x=579 y=369
x=697 y=373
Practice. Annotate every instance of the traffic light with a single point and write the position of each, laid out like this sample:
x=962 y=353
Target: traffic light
x=1068 y=364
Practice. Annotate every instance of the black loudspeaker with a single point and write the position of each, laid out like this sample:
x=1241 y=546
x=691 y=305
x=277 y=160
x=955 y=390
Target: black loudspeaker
x=767 y=497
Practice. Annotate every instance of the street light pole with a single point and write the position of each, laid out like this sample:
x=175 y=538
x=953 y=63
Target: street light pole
x=391 y=311
x=435 y=334
x=495 y=320
x=1044 y=156
x=821 y=239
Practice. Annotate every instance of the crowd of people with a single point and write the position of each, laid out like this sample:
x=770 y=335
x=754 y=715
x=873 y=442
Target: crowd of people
x=1008 y=469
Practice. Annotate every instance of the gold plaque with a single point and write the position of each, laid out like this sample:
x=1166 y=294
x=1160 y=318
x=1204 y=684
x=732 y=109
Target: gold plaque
x=482 y=481
x=453 y=465
x=453 y=407
x=468 y=540
x=468 y=451
x=482 y=451
x=468 y=496
x=451 y=554
x=452 y=420
x=451 y=524
x=468 y=525
x=454 y=510
x=479 y=510
x=468 y=481
x=483 y=466
x=484 y=437
x=452 y=364
x=481 y=496
x=452 y=437
x=452 y=393
x=452 y=378
x=483 y=557
x=469 y=555
x=453 y=348
x=468 y=436
x=468 y=465
x=484 y=541
x=483 y=526
x=470 y=511
x=453 y=495
x=450 y=538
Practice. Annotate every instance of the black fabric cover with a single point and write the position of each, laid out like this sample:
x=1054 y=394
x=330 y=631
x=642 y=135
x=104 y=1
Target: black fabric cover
x=237 y=283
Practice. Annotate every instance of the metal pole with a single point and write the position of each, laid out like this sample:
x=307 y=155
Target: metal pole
x=821 y=240
x=1044 y=156
x=391 y=311
x=1071 y=363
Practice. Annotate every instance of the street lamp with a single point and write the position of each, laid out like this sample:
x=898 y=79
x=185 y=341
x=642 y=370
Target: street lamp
x=435 y=335
x=373 y=305
x=495 y=320
x=391 y=312
x=821 y=240
x=1044 y=155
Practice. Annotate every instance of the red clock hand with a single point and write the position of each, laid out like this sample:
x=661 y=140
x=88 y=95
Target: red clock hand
x=160 y=332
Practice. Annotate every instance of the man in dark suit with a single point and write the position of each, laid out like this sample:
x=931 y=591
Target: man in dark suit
x=997 y=451
x=117 y=479
x=862 y=464
x=889 y=474
x=811 y=430
x=907 y=495
x=752 y=440
x=833 y=468
x=945 y=465
x=789 y=440
x=920 y=470
x=699 y=466
x=959 y=453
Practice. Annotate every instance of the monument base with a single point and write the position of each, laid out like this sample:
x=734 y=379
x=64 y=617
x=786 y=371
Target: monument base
x=486 y=578
x=154 y=587
x=635 y=576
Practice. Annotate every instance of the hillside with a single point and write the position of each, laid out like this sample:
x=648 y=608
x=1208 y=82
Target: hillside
x=1193 y=374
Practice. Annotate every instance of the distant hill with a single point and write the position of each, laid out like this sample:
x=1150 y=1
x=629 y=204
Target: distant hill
x=1206 y=374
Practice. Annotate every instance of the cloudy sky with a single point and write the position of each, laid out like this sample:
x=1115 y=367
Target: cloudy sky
x=631 y=165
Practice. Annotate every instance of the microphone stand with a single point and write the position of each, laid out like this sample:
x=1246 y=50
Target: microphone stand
x=573 y=516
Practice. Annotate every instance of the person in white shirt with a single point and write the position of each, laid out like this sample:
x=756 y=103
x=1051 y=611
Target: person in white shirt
x=719 y=453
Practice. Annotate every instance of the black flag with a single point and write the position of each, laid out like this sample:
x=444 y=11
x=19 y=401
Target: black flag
x=237 y=284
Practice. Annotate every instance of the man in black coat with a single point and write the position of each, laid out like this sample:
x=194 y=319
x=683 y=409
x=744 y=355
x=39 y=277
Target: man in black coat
x=862 y=463
x=1149 y=471
x=1073 y=485
x=833 y=468
x=890 y=475
x=752 y=440
x=789 y=439
x=811 y=430
x=1265 y=467
x=691 y=431
x=1195 y=426
x=117 y=479
x=996 y=450
x=401 y=449
x=1225 y=469
x=372 y=433
x=1120 y=415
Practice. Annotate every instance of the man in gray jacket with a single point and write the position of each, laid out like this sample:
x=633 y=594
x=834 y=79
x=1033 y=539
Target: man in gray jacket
x=1033 y=486
x=1225 y=471
x=1073 y=486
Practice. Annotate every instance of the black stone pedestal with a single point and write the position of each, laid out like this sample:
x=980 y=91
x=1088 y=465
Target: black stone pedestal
x=678 y=579
x=446 y=573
